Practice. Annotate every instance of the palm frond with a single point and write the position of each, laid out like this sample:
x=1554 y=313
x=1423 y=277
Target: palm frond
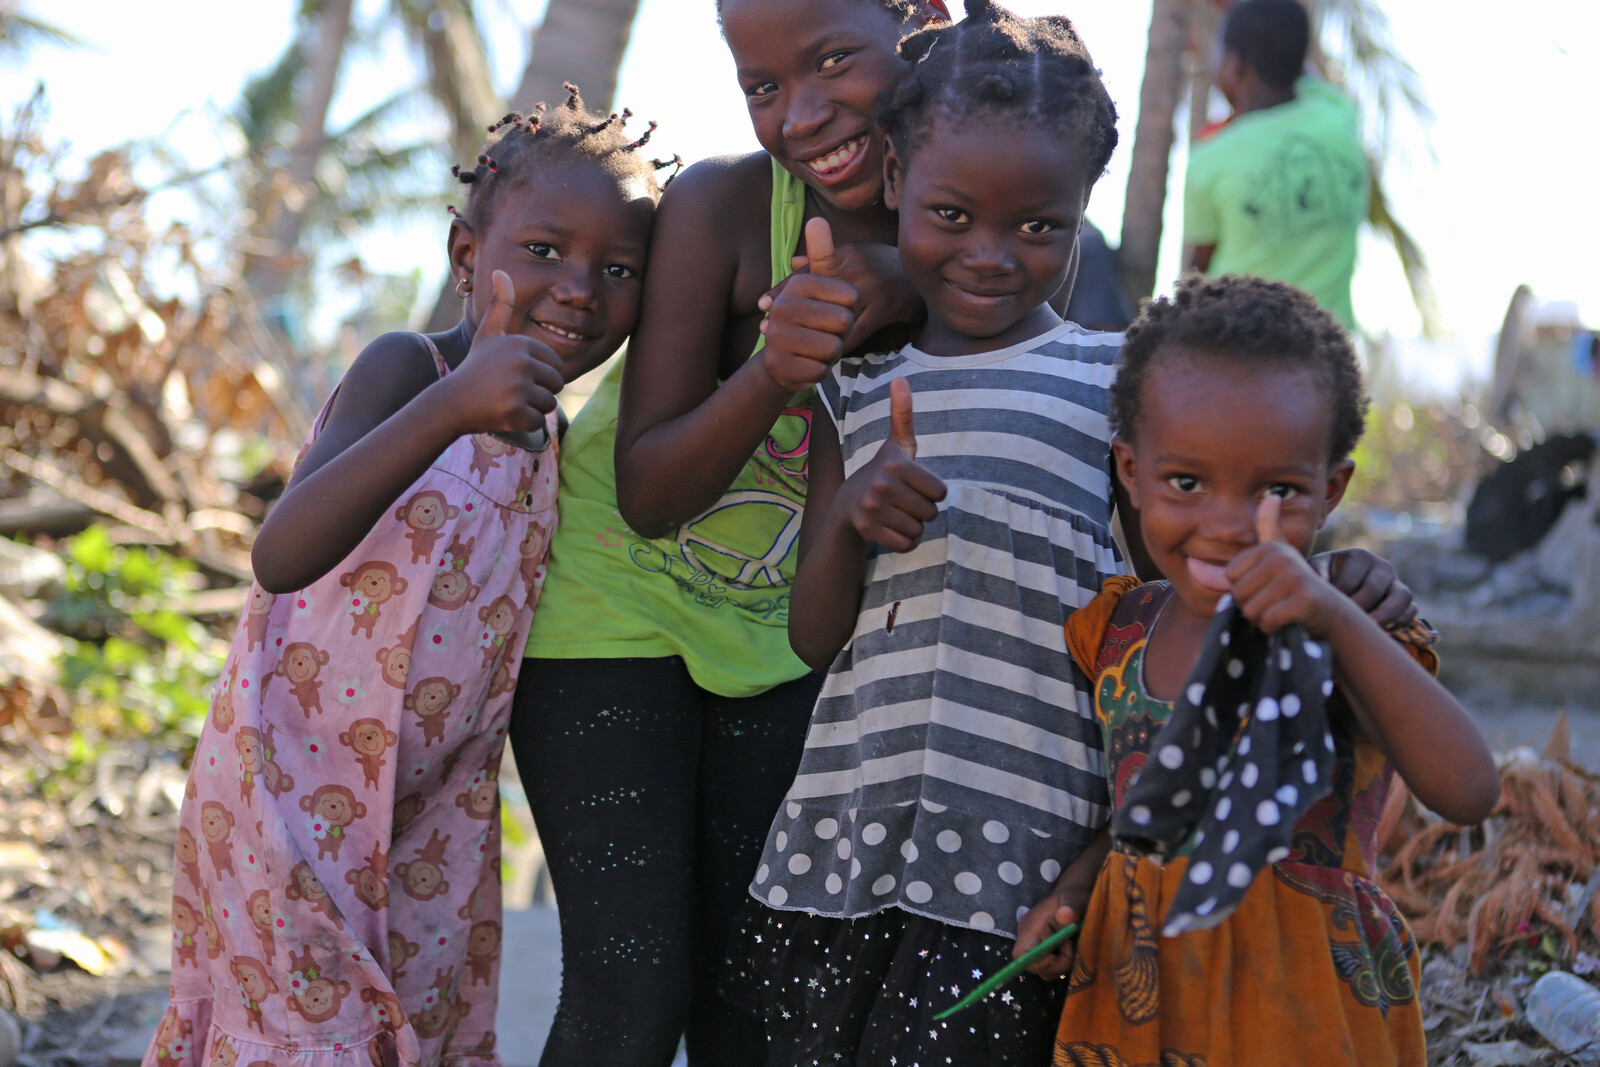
x=1412 y=259
x=1373 y=69
x=267 y=101
x=20 y=34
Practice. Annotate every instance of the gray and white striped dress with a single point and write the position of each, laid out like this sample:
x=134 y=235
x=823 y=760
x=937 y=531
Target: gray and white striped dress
x=953 y=764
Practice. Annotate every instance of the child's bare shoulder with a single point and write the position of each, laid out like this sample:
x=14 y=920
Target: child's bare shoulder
x=727 y=192
x=387 y=374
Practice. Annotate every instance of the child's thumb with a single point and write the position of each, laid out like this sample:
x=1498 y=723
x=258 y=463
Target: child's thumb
x=819 y=247
x=1268 y=526
x=497 y=320
x=901 y=429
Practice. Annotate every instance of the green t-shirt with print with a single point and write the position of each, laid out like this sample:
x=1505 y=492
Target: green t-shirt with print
x=716 y=590
x=1282 y=193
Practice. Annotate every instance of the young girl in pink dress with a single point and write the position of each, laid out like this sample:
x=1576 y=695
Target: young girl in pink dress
x=337 y=888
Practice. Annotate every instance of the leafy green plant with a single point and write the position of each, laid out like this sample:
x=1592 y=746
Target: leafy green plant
x=138 y=667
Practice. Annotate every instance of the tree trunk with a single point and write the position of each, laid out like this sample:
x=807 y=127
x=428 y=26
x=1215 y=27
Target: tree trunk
x=1204 y=27
x=1152 y=146
x=268 y=270
x=581 y=41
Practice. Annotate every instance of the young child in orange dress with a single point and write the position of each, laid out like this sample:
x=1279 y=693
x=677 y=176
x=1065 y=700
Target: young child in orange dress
x=1236 y=409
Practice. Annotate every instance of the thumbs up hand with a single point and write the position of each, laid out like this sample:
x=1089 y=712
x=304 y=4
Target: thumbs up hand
x=1275 y=586
x=891 y=500
x=809 y=317
x=507 y=382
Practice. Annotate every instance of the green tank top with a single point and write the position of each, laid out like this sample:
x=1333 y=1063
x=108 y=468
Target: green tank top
x=716 y=590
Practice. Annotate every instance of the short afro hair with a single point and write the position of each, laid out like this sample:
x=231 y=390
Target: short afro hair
x=994 y=63
x=544 y=137
x=1252 y=321
x=1272 y=37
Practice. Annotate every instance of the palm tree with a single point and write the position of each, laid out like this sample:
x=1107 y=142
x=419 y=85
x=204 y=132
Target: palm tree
x=1362 y=57
x=280 y=214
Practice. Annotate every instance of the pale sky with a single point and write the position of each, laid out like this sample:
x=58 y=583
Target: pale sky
x=1499 y=190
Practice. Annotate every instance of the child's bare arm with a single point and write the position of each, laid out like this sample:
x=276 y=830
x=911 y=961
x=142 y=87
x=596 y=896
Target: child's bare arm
x=1067 y=903
x=391 y=420
x=1419 y=726
x=887 y=503
x=682 y=437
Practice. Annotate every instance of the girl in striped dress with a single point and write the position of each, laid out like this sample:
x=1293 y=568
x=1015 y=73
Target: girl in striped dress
x=959 y=509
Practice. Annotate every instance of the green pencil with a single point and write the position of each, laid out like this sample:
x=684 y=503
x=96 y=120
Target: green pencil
x=1011 y=970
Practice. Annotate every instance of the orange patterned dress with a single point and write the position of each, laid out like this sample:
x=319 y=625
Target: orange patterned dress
x=1316 y=967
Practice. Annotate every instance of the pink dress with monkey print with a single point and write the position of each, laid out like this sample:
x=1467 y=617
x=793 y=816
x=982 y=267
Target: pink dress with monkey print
x=336 y=893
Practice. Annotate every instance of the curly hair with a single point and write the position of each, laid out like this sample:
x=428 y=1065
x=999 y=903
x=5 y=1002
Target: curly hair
x=1028 y=70
x=519 y=143
x=1254 y=321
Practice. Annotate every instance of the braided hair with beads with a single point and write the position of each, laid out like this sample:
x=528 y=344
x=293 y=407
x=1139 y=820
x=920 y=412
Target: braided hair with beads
x=519 y=143
x=997 y=66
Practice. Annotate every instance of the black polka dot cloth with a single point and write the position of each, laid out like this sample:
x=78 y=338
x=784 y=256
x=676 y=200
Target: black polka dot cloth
x=1245 y=753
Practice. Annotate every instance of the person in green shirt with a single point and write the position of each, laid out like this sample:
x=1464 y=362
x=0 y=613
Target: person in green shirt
x=1281 y=190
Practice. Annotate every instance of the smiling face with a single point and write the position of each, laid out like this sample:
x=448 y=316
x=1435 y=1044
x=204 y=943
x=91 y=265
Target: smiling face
x=987 y=246
x=1214 y=436
x=812 y=71
x=573 y=237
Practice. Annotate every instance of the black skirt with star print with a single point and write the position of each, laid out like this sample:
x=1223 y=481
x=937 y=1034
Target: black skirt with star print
x=864 y=992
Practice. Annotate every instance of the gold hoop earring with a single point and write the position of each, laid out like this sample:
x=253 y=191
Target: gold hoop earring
x=463 y=288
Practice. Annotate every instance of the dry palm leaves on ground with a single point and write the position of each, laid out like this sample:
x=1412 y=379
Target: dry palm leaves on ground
x=1499 y=904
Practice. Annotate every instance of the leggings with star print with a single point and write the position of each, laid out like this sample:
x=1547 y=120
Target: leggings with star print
x=652 y=798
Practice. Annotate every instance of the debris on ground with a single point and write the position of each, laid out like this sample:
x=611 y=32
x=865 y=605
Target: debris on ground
x=1498 y=905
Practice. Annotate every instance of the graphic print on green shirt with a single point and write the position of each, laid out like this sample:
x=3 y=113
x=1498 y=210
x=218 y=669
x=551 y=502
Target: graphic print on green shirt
x=716 y=590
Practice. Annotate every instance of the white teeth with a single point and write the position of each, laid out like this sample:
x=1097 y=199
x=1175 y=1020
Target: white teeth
x=560 y=332
x=838 y=157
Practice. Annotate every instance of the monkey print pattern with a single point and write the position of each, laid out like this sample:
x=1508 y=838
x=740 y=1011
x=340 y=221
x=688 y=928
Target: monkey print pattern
x=396 y=659
x=486 y=453
x=185 y=932
x=370 y=739
x=216 y=822
x=304 y=885
x=371 y=585
x=452 y=588
x=172 y=1040
x=259 y=906
x=425 y=515
x=423 y=878
x=430 y=701
x=255 y=985
x=332 y=808
x=372 y=881
x=188 y=857
x=248 y=743
x=364 y=714
x=274 y=778
x=310 y=994
x=443 y=1008
x=498 y=619
x=483 y=950
x=256 y=615
x=301 y=663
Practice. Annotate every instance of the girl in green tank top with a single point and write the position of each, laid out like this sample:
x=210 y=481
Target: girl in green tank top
x=660 y=714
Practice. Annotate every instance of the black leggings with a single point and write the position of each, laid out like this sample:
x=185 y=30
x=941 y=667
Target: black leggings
x=652 y=798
